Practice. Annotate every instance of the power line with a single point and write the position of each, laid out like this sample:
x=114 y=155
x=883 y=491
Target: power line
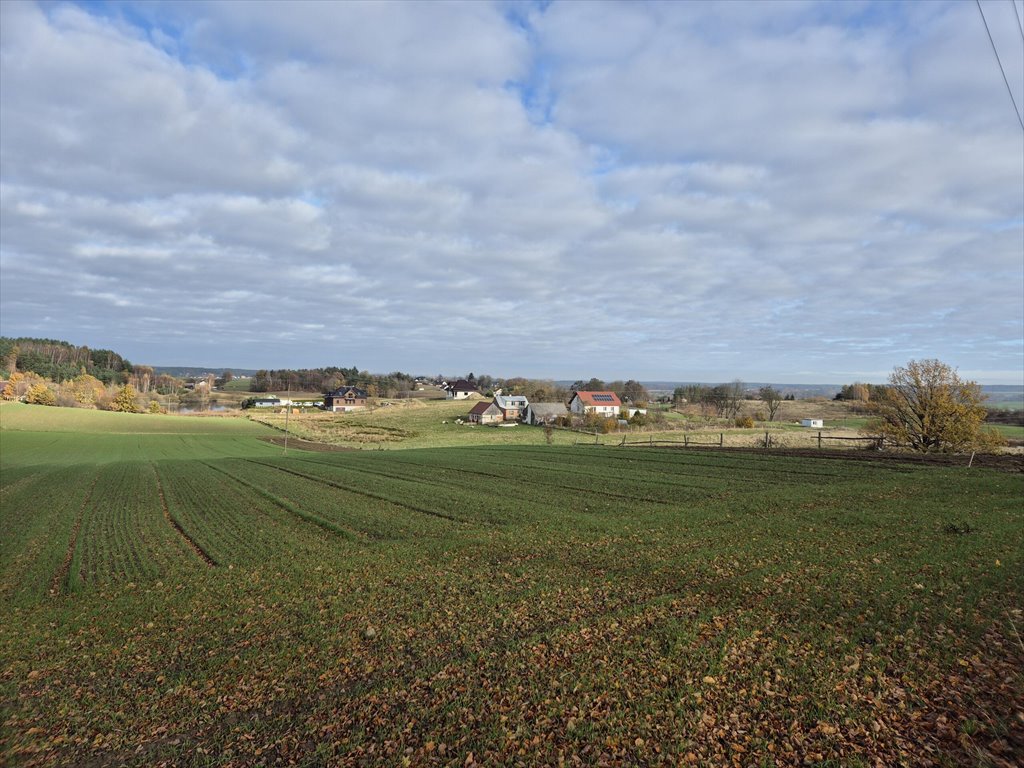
x=1009 y=90
x=1019 y=25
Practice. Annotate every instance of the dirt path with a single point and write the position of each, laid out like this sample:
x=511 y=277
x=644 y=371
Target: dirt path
x=306 y=445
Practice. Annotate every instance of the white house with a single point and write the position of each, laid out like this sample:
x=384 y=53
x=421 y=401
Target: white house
x=605 y=404
x=460 y=390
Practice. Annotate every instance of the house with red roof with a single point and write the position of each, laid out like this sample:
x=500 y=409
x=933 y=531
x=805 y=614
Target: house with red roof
x=602 y=403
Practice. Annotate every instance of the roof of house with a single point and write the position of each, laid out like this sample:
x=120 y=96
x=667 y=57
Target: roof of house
x=355 y=392
x=482 y=407
x=599 y=398
x=461 y=386
x=511 y=401
x=548 y=409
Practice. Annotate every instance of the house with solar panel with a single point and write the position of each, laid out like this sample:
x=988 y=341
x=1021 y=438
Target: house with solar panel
x=605 y=404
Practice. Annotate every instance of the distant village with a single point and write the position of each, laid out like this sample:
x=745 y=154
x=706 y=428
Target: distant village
x=497 y=409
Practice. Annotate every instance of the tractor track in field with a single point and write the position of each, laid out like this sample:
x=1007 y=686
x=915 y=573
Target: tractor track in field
x=360 y=492
x=497 y=476
x=192 y=543
x=60 y=578
x=345 y=532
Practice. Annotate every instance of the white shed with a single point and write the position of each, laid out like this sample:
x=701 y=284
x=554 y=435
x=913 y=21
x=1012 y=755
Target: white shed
x=817 y=423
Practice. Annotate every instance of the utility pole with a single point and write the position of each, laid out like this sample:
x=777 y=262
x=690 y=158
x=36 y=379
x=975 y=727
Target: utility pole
x=287 y=410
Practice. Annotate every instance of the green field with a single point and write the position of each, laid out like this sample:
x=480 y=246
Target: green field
x=237 y=385
x=176 y=591
x=409 y=424
x=1009 y=431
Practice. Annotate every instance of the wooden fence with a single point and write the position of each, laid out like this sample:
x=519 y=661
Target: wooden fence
x=769 y=440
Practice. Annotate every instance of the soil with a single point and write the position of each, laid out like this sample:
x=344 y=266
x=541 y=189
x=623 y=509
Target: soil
x=1000 y=461
x=307 y=445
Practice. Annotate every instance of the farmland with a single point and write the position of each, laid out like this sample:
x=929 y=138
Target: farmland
x=177 y=591
x=433 y=424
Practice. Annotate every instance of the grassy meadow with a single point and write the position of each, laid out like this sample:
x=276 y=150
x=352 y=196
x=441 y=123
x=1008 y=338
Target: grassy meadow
x=175 y=591
x=434 y=424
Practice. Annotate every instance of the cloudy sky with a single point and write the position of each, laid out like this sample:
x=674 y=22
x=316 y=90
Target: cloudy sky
x=784 y=192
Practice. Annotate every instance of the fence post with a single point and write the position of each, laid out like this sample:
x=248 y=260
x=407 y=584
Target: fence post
x=767 y=440
x=819 y=439
x=686 y=440
x=652 y=439
x=721 y=439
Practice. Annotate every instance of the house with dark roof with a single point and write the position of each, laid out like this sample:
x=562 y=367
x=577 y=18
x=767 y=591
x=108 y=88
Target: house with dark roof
x=460 y=390
x=485 y=413
x=345 y=399
x=602 y=403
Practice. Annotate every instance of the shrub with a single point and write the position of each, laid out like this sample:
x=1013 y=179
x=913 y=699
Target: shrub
x=745 y=422
x=125 y=400
x=40 y=394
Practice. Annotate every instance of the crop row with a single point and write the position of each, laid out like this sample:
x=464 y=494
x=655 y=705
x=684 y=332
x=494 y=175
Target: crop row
x=535 y=497
x=638 y=483
x=66 y=526
x=38 y=513
x=486 y=503
x=124 y=534
x=356 y=509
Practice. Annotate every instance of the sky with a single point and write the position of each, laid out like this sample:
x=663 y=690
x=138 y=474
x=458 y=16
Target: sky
x=784 y=192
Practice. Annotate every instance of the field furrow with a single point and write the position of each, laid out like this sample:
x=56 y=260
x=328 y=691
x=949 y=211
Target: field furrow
x=37 y=519
x=229 y=519
x=174 y=523
x=60 y=577
x=124 y=534
x=485 y=504
x=363 y=491
x=298 y=510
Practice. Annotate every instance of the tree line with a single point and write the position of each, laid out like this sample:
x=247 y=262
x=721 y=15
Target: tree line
x=61 y=361
x=547 y=391
x=331 y=378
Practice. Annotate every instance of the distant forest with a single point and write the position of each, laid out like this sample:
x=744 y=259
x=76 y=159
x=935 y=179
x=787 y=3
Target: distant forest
x=61 y=361
x=329 y=379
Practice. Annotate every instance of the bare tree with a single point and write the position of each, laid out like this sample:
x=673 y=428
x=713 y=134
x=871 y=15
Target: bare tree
x=733 y=398
x=772 y=399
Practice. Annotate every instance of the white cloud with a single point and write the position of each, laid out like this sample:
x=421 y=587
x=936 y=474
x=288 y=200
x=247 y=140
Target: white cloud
x=617 y=189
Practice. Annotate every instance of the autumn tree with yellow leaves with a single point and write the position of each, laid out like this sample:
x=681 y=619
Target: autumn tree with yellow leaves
x=928 y=407
x=125 y=400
